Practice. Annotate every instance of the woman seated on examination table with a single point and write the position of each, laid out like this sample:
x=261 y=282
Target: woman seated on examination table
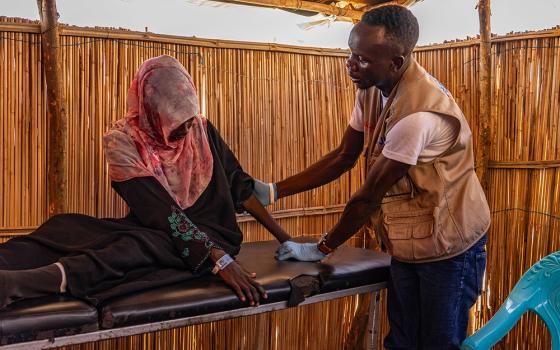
x=183 y=186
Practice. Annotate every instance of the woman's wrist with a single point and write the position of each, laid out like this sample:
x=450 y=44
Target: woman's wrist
x=222 y=263
x=216 y=254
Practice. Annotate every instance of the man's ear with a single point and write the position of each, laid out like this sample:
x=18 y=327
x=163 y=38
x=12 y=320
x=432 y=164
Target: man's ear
x=397 y=62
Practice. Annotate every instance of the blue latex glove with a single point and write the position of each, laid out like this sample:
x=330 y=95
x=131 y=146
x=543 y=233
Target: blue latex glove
x=299 y=251
x=263 y=192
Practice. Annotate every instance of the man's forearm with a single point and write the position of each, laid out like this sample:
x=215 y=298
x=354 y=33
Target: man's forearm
x=356 y=213
x=383 y=174
x=329 y=168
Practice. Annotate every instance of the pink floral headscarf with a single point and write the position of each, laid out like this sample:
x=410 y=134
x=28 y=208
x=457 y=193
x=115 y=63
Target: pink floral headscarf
x=161 y=98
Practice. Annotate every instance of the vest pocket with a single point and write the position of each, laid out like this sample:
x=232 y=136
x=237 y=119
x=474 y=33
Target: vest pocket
x=411 y=234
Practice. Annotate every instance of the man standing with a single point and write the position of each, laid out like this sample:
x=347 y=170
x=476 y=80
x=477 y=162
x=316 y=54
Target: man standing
x=420 y=193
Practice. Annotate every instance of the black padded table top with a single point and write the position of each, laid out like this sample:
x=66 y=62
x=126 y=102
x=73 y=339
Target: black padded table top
x=46 y=317
x=348 y=267
x=56 y=316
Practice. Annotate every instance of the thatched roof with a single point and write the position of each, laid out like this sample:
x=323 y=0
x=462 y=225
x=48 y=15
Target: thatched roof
x=342 y=9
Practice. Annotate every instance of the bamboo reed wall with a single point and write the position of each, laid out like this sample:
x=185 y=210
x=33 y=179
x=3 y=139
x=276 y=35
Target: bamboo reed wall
x=280 y=108
x=267 y=105
x=524 y=186
x=270 y=104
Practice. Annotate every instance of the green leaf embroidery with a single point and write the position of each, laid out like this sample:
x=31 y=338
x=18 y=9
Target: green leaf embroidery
x=178 y=219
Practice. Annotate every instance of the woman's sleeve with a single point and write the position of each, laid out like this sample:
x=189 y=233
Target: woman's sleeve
x=240 y=183
x=154 y=208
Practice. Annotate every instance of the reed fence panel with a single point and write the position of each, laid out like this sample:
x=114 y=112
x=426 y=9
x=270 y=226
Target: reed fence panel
x=281 y=108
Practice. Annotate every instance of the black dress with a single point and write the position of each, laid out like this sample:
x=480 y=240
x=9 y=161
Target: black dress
x=157 y=243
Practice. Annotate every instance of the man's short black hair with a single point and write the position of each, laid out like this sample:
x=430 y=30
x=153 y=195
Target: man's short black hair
x=400 y=24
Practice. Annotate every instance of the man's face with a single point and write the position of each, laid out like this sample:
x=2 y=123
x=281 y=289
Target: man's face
x=371 y=59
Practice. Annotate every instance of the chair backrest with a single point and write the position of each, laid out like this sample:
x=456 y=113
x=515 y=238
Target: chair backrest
x=538 y=290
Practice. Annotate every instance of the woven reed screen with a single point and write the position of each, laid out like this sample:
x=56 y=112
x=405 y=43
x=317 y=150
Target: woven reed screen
x=524 y=183
x=280 y=109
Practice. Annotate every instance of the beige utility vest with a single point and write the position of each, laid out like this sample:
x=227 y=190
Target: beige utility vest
x=438 y=210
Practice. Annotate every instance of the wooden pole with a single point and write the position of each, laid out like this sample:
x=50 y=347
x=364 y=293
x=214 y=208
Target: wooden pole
x=485 y=98
x=56 y=108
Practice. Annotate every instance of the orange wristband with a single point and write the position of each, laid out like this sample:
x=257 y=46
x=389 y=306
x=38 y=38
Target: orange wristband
x=323 y=247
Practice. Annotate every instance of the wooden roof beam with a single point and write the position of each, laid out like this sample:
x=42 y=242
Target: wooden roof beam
x=341 y=13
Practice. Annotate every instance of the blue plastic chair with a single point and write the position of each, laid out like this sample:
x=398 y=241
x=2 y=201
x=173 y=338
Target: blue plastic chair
x=538 y=290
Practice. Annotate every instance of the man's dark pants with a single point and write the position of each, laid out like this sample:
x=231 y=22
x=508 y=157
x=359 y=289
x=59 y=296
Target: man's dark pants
x=428 y=303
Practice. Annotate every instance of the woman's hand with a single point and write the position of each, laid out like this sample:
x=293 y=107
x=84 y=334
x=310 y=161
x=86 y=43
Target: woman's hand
x=240 y=280
x=243 y=283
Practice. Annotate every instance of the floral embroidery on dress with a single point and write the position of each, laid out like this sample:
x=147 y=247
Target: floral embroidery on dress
x=182 y=227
